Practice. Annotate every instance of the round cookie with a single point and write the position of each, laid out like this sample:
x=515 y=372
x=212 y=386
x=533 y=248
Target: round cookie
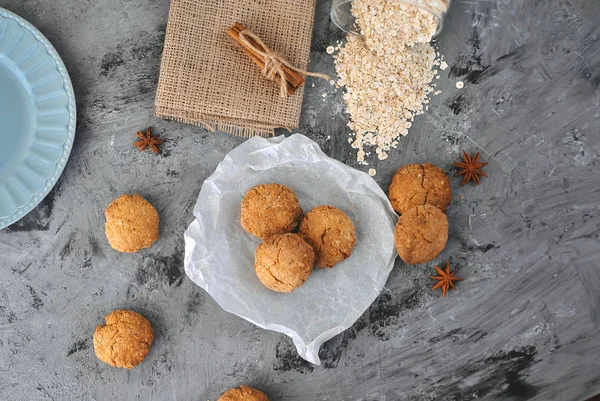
x=125 y=339
x=420 y=184
x=270 y=209
x=243 y=394
x=330 y=232
x=421 y=234
x=131 y=223
x=283 y=262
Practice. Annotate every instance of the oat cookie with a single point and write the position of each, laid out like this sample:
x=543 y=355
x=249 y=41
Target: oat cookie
x=131 y=223
x=125 y=339
x=283 y=262
x=420 y=184
x=270 y=209
x=421 y=234
x=330 y=232
x=243 y=394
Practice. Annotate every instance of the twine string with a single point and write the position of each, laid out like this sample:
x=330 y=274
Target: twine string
x=274 y=61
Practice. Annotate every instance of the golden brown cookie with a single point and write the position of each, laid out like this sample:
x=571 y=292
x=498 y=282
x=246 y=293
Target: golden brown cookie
x=330 y=232
x=243 y=394
x=125 y=340
x=283 y=262
x=420 y=184
x=131 y=223
x=421 y=234
x=270 y=209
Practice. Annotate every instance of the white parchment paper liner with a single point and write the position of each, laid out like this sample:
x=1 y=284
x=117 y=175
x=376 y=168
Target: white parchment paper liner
x=219 y=254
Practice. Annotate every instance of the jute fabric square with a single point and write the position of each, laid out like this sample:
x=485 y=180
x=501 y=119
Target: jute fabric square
x=206 y=80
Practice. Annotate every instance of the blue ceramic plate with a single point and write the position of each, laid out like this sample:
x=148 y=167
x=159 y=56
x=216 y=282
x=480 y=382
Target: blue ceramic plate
x=37 y=117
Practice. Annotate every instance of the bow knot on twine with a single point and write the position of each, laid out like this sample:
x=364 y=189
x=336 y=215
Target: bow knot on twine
x=275 y=63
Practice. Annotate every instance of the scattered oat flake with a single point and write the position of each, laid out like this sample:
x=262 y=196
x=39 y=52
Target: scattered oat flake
x=443 y=65
x=372 y=172
x=313 y=85
x=330 y=50
x=460 y=84
x=324 y=95
x=332 y=82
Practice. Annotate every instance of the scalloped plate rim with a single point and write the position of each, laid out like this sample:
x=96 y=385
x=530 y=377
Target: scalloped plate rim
x=59 y=166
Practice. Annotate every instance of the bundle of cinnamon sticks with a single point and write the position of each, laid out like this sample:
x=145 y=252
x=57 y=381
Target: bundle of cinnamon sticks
x=206 y=79
x=256 y=51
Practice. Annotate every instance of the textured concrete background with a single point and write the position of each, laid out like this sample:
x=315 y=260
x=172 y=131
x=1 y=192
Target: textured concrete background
x=523 y=325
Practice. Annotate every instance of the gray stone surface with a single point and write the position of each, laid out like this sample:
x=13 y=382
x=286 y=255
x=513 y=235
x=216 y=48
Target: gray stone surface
x=523 y=325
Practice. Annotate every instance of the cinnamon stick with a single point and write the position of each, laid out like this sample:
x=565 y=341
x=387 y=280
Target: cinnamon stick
x=257 y=60
x=294 y=79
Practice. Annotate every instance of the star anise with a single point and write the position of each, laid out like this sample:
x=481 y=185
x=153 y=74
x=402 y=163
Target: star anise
x=148 y=140
x=446 y=279
x=471 y=168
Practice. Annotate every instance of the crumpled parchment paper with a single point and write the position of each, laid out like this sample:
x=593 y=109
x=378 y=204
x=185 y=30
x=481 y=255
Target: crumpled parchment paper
x=219 y=254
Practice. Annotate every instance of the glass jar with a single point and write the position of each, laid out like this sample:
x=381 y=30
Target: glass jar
x=341 y=13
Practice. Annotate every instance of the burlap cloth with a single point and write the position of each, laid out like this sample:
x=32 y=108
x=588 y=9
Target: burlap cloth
x=206 y=80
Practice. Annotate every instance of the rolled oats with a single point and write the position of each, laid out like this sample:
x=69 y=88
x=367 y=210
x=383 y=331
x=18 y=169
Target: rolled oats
x=387 y=72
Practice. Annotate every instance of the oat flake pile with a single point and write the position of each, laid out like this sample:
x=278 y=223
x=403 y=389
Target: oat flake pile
x=387 y=72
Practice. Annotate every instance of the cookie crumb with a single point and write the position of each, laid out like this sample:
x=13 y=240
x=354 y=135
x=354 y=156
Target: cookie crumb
x=330 y=50
x=372 y=172
x=443 y=65
x=460 y=85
